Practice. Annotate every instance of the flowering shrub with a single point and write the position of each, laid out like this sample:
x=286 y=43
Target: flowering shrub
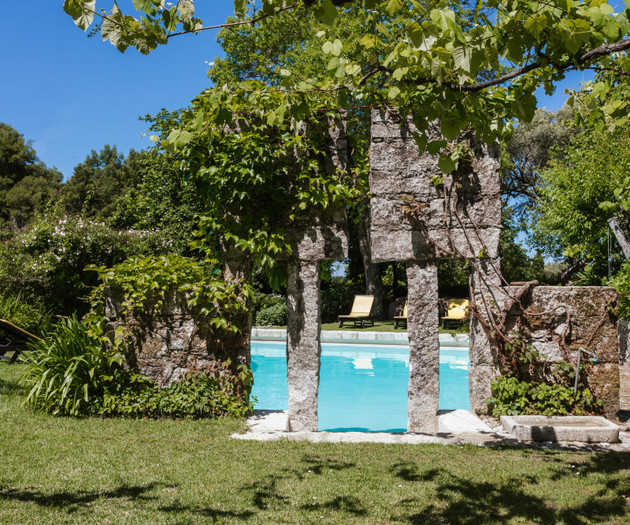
x=47 y=262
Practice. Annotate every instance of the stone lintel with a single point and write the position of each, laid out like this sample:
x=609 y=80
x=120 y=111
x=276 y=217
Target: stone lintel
x=424 y=347
x=303 y=343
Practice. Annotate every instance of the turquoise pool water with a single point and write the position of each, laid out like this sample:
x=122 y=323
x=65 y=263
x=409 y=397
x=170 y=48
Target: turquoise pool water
x=363 y=387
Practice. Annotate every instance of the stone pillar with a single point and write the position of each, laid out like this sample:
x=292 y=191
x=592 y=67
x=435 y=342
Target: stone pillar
x=303 y=343
x=484 y=360
x=424 y=347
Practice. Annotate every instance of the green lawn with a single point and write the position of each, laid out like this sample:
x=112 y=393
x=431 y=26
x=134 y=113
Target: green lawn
x=60 y=470
x=385 y=326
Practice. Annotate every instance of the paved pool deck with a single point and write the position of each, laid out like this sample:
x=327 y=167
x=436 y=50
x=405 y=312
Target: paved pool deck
x=456 y=427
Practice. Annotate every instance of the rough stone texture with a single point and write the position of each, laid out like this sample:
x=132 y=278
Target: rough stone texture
x=586 y=429
x=303 y=343
x=173 y=342
x=581 y=316
x=424 y=347
x=314 y=236
x=458 y=214
x=624 y=366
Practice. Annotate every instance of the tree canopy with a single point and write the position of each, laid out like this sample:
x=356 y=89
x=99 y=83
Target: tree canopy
x=428 y=59
x=26 y=184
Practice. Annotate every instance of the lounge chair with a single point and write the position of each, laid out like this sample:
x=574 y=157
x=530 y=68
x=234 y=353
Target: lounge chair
x=13 y=339
x=401 y=318
x=457 y=311
x=361 y=312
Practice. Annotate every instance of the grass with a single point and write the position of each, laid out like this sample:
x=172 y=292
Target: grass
x=62 y=470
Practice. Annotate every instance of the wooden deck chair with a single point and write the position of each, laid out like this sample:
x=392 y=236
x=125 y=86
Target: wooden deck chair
x=361 y=312
x=402 y=318
x=13 y=339
x=457 y=311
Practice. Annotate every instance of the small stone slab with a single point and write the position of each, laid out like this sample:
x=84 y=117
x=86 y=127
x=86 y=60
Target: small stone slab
x=585 y=429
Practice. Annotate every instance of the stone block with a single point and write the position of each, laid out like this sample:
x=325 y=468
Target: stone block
x=584 y=429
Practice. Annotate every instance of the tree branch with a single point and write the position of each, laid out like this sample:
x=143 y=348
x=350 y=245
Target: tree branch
x=233 y=24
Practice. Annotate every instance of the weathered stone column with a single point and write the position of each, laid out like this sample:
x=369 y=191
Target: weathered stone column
x=303 y=343
x=424 y=347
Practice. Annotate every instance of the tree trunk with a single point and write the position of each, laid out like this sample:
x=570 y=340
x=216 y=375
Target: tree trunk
x=371 y=269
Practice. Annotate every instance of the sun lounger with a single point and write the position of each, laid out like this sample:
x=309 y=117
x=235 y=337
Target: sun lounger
x=13 y=339
x=457 y=311
x=402 y=318
x=361 y=312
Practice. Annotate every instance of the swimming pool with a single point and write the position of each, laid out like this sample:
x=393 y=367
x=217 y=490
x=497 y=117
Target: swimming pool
x=362 y=387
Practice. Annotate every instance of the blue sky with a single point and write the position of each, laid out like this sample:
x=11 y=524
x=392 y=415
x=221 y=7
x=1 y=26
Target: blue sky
x=69 y=94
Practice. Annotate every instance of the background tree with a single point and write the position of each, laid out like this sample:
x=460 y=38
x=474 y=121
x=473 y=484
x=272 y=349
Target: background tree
x=580 y=190
x=100 y=180
x=26 y=184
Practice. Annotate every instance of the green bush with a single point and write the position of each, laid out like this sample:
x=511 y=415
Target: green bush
x=337 y=295
x=31 y=317
x=47 y=262
x=513 y=397
x=195 y=396
x=275 y=315
x=68 y=370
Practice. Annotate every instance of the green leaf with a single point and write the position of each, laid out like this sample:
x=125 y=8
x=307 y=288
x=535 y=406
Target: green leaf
x=393 y=6
x=81 y=11
x=461 y=57
x=368 y=41
x=435 y=146
x=447 y=164
x=450 y=128
x=337 y=46
x=326 y=13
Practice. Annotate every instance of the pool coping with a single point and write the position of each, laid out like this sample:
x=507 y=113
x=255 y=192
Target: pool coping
x=354 y=336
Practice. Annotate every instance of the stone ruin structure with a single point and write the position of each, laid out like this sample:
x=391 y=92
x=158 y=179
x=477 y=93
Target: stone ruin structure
x=556 y=321
x=418 y=215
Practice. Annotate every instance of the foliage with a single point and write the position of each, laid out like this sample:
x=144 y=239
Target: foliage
x=262 y=301
x=146 y=283
x=528 y=151
x=32 y=317
x=275 y=315
x=162 y=199
x=69 y=369
x=100 y=181
x=513 y=397
x=194 y=396
x=432 y=61
x=26 y=184
x=580 y=191
x=336 y=297
x=46 y=262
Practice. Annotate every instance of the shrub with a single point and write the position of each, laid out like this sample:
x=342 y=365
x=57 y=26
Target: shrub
x=275 y=315
x=69 y=369
x=513 y=397
x=70 y=373
x=47 y=262
x=31 y=317
x=195 y=396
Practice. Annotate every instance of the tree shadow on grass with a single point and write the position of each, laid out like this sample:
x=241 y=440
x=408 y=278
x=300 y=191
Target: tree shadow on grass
x=74 y=501
x=461 y=500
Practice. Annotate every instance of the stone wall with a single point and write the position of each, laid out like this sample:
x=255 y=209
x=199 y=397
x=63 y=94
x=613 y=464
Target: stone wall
x=176 y=340
x=556 y=321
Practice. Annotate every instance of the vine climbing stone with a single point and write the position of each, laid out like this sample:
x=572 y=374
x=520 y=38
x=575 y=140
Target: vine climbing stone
x=421 y=215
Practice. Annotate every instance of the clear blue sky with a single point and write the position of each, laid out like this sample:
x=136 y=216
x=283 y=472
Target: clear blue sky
x=70 y=94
